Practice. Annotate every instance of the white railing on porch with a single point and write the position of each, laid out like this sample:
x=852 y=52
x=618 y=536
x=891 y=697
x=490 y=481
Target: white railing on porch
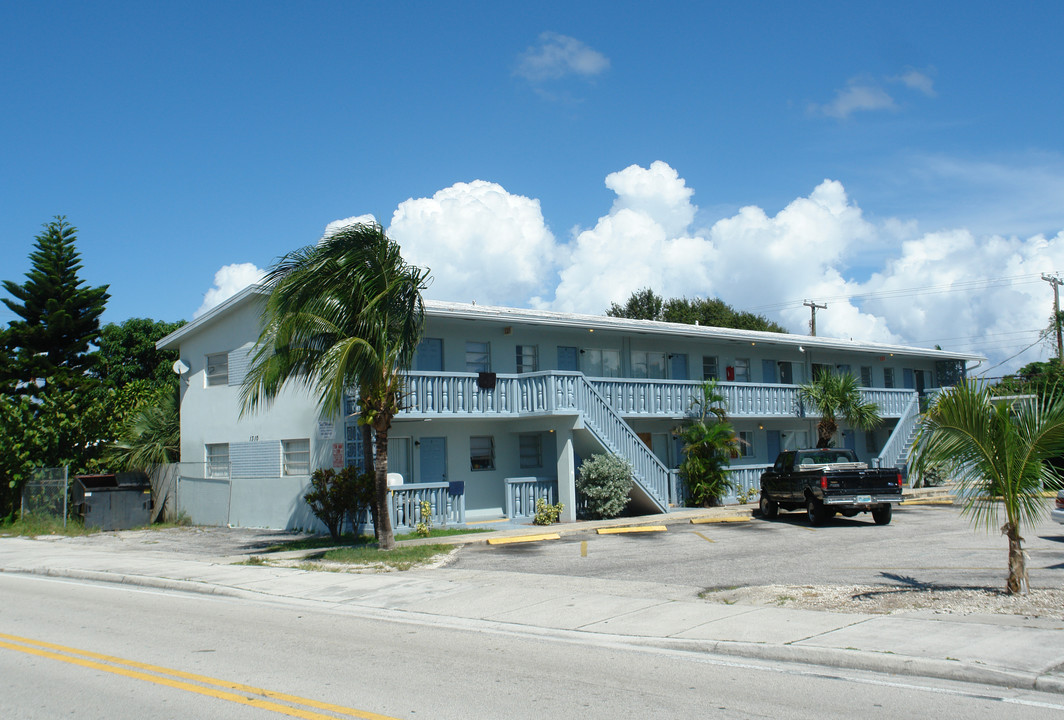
x=522 y=493
x=896 y=448
x=441 y=394
x=444 y=508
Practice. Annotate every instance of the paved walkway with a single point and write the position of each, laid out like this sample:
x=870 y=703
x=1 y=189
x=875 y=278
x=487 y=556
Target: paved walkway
x=1002 y=650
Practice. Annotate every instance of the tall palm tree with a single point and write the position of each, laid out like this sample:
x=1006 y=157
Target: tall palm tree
x=998 y=454
x=150 y=436
x=344 y=314
x=835 y=396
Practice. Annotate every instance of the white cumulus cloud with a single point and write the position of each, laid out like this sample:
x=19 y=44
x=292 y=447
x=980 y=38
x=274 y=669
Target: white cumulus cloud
x=481 y=243
x=555 y=56
x=228 y=281
x=337 y=225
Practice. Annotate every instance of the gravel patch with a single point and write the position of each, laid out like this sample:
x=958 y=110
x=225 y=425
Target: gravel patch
x=886 y=600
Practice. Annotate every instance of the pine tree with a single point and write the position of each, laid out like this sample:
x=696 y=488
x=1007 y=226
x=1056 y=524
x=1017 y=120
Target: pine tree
x=60 y=318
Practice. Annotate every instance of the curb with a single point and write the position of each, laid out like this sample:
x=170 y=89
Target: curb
x=886 y=663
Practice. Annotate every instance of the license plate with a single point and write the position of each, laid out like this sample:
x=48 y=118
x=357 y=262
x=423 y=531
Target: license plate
x=864 y=498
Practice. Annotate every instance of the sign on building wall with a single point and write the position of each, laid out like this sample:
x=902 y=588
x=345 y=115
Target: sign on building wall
x=338 y=455
x=326 y=430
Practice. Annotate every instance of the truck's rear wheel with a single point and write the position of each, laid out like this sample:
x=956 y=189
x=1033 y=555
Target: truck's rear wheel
x=882 y=515
x=816 y=512
x=770 y=509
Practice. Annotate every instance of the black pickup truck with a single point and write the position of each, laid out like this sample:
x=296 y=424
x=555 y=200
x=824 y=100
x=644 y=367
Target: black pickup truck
x=828 y=481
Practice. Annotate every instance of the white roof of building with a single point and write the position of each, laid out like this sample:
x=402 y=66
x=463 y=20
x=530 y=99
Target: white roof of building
x=546 y=318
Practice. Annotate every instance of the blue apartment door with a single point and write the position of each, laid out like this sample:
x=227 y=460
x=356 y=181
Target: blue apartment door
x=678 y=366
x=433 y=456
x=567 y=359
x=772 y=442
x=768 y=371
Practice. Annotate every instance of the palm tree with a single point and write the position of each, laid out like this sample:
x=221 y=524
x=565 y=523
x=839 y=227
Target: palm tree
x=835 y=396
x=998 y=454
x=341 y=315
x=708 y=446
x=151 y=435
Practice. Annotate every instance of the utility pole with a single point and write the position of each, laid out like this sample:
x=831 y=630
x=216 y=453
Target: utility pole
x=1055 y=281
x=812 y=320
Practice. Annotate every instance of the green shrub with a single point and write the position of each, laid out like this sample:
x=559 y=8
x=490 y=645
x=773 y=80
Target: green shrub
x=547 y=514
x=604 y=481
x=333 y=495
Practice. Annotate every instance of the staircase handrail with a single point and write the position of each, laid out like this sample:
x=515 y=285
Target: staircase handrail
x=898 y=441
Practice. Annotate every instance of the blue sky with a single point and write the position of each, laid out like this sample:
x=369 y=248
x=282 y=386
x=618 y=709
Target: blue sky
x=615 y=145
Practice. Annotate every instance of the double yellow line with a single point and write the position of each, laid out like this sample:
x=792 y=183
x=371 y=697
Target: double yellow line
x=189 y=682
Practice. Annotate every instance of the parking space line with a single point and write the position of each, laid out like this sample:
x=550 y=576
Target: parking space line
x=730 y=519
x=704 y=537
x=583 y=548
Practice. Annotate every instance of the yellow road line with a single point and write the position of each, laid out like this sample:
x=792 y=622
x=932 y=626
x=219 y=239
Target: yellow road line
x=632 y=529
x=704 y=537
x=99 y=662
x=731 y=519
x=523 y=538
x=583 y=548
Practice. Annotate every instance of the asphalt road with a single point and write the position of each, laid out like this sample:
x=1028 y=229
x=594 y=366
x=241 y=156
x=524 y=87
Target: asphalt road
x=924 y=545
x=118 y=653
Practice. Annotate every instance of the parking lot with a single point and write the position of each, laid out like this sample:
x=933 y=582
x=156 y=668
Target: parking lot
x=927 y=546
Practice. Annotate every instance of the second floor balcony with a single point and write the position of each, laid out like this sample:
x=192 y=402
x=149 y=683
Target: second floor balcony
x=456 y=395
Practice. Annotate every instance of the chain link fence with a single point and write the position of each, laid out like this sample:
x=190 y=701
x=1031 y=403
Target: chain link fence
x=46 y=494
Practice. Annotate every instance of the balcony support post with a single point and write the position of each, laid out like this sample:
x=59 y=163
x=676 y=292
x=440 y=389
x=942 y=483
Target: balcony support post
x=566 y=474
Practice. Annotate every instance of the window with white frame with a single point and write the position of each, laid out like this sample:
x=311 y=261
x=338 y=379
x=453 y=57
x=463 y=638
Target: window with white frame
x=482 y=453
x=709 y=368
x=478 y=357
x=527 y=358
x=888 y=377
x=742 y=369
x=866 y=376
x=648 y=364
x=218 y=460
x=295 y=457
x=218 y=369
x=531 y=451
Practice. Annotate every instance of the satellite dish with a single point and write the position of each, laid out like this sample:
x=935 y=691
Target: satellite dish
x=180 y=367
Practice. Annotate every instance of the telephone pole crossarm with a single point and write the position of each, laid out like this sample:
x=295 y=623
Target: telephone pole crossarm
x=812 y=320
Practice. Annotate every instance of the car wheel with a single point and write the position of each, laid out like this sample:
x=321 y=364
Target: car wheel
x=816 y=512
x=882 y=515
x=770 y=509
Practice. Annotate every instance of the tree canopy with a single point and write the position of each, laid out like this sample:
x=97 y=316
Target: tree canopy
x=834 y=396
x=645 y=304
x=127 y=353
x=60 y=317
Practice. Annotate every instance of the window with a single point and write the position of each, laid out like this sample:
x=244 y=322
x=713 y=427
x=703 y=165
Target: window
x=429 y=355
x=746 y=444
x=218 y=369
x=888 y=377
x=866 y=376
x=601 y=363
x=709 y=367
x=648 y=364
x=482 y=453
x=218 y=460
x=527 y=358
x=478 y=357
x=295 y=457
x=820 y=370
x=742 y=369
x=531 y=451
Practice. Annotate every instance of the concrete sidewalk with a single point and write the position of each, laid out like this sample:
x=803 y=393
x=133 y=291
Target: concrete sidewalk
x=993 y=649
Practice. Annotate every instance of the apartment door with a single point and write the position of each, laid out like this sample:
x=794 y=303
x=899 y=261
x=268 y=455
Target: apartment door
x=772 y=443
x=768 y=371
x=567 y=359
x=678 y=366
x=786 y=373
x=433 y=456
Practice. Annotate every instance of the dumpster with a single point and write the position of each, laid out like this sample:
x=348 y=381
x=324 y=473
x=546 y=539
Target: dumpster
x=114 y=501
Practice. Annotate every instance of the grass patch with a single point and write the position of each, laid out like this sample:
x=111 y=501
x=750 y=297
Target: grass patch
x=401 y=558
x=34 y=525
x=253 y=560
x=444 y=532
